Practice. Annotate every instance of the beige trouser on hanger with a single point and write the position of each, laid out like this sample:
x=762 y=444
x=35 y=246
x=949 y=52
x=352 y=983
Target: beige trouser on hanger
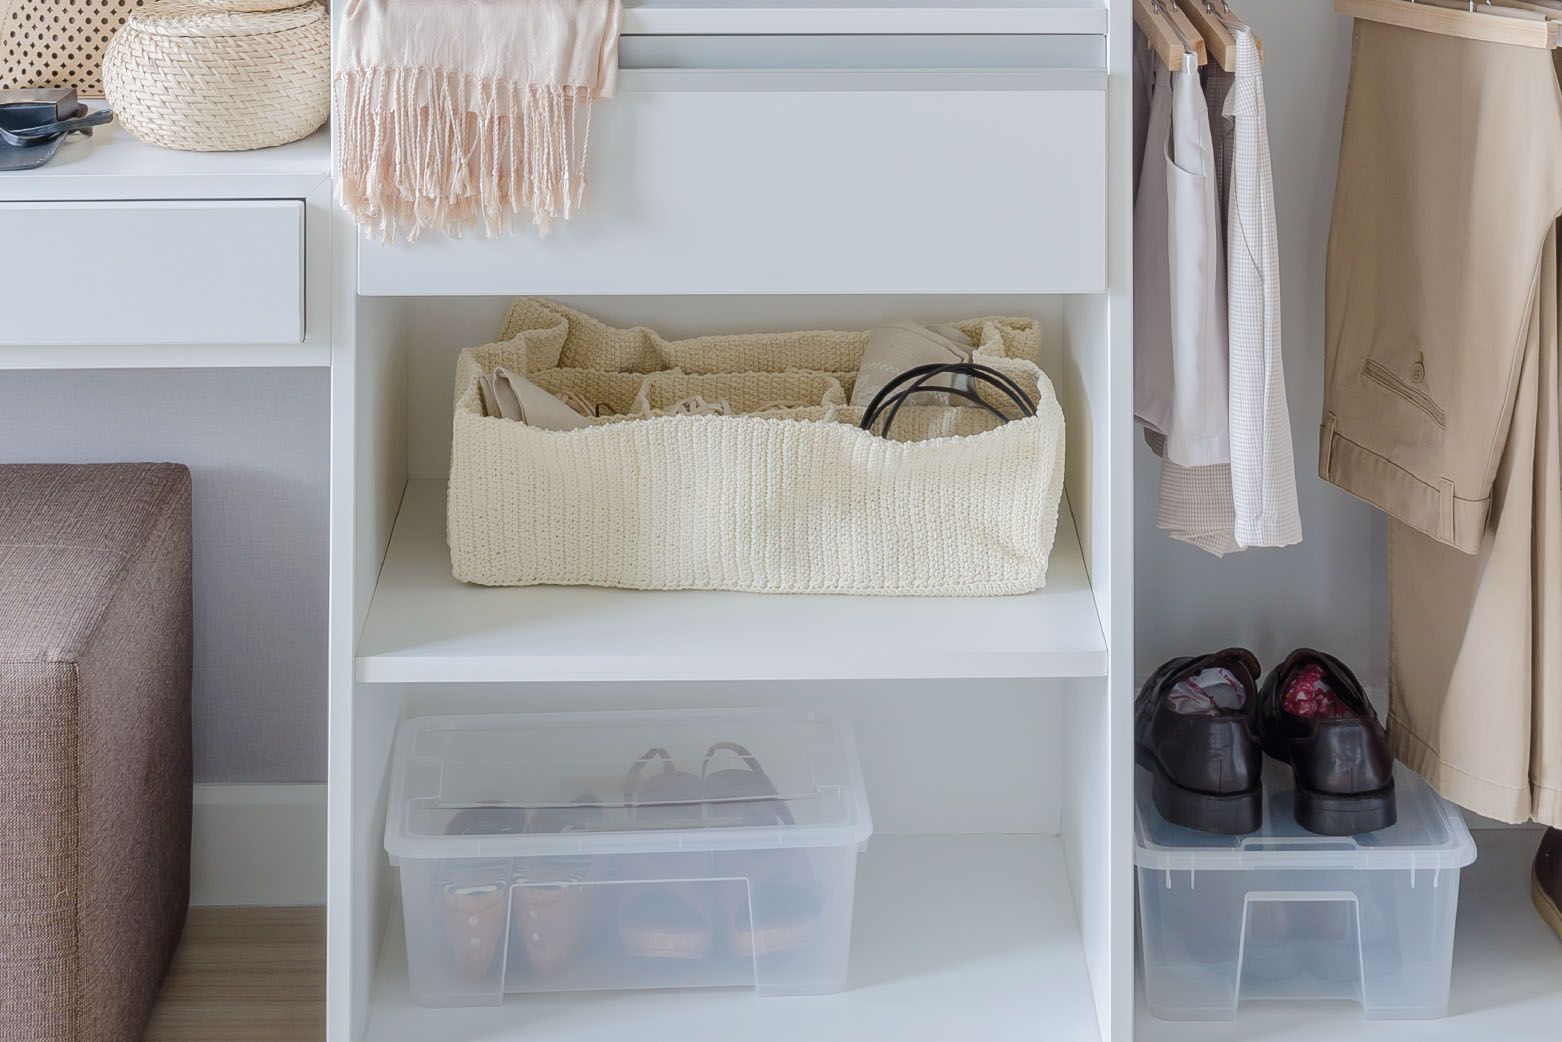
x=1441 y=399
x=1476 y=640
x=1450 y=180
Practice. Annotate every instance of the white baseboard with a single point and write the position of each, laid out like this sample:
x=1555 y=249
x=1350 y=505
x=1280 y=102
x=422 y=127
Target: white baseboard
x=258 y=845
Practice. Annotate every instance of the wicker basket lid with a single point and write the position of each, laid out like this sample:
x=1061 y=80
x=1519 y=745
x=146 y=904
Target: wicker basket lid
x=199 y=18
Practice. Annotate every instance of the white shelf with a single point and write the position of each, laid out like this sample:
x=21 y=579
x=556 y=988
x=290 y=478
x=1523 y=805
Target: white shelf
x=679 y=17
x=166 y=356
x=1507 y=981
x=425 y=627
x=953 y=938
x=113 y=165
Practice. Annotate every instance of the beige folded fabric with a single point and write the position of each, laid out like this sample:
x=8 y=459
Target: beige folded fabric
x=897 y=348
x=510 y=396
x=452 y=113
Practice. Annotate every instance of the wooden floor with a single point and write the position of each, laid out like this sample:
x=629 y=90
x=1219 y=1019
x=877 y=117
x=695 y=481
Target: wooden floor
x=246 y=975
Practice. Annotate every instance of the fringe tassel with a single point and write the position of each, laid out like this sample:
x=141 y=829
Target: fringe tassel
x=426 y=148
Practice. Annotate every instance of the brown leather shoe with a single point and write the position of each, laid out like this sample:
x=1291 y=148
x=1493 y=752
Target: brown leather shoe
x=1314 y=715
x=1547 y=885
x=1194 y=732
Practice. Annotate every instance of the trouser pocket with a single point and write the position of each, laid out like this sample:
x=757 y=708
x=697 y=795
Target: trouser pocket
x=1386 y=378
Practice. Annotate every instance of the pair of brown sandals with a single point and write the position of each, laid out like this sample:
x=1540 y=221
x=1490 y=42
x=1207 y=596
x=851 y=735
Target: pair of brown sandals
x=673 y=905
x=552 y=911
x=681 y=905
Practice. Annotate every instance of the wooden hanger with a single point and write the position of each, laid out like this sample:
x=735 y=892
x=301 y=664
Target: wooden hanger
x=1216 y=22
x=1552 y=10
x=1506 y=21
x=1511 y=8
x=1171 y=35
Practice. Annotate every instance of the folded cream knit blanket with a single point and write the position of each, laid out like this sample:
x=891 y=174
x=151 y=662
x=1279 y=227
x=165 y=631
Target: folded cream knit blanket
x=455 y=112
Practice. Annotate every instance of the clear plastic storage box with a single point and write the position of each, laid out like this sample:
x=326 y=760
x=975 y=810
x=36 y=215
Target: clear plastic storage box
x=590 y=851
x=1285 y=914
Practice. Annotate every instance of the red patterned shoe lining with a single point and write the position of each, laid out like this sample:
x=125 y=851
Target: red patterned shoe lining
x=1310 y=697
x=1210 y=693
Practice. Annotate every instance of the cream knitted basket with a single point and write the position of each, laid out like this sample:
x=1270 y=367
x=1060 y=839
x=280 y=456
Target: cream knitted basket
x=793 y=498
x=194 y=75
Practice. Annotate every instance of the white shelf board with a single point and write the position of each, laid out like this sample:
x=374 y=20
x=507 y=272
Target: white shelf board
x=166 y=356
x=113 y=165
x=425 y=627
x=693 y=17
x=1507 y=979
x=953 y=938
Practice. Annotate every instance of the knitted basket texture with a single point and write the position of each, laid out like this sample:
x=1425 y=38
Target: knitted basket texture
x=788 y=495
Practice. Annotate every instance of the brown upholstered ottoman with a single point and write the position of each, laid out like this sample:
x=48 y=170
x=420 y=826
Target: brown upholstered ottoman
x=94 y=745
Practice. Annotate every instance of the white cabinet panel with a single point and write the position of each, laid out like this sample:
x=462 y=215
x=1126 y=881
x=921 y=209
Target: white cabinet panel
x=810 y=181
x=158 y=272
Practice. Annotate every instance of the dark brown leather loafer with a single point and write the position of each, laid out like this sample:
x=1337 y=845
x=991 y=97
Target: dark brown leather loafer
x=1194 y=732
x=1314 y=715
x=1547 y=885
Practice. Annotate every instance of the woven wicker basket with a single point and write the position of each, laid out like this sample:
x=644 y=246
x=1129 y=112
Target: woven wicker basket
x=195 y=75
x=791 y=498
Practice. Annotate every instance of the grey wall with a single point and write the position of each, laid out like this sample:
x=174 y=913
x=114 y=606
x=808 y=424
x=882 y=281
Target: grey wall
x=1329 y=591
x=257 y=445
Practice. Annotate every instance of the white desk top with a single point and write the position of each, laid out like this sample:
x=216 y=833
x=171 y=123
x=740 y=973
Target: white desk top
x=113 y=165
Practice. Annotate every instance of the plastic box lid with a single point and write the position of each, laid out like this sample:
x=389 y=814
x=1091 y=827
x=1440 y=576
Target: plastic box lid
x=540 y=785
x=1430 y=834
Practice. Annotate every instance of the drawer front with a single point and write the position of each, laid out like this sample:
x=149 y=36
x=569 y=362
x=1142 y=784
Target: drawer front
x=165 y=272
x=810 y=181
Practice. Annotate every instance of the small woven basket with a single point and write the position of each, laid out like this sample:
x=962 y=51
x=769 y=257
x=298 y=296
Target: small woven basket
x=200 y=76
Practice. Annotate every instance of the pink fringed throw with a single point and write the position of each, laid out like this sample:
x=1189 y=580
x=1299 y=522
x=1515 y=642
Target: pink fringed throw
x=452 y=113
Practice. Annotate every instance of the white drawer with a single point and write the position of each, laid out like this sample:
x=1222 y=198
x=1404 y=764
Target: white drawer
x=163 y=272
x=810 y=180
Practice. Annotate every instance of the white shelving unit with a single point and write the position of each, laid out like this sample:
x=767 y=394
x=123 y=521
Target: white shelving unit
x=1006 y=920
x=1001 y=909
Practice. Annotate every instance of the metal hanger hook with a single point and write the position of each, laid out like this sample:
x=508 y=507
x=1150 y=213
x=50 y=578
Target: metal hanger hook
x=1230 y=18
